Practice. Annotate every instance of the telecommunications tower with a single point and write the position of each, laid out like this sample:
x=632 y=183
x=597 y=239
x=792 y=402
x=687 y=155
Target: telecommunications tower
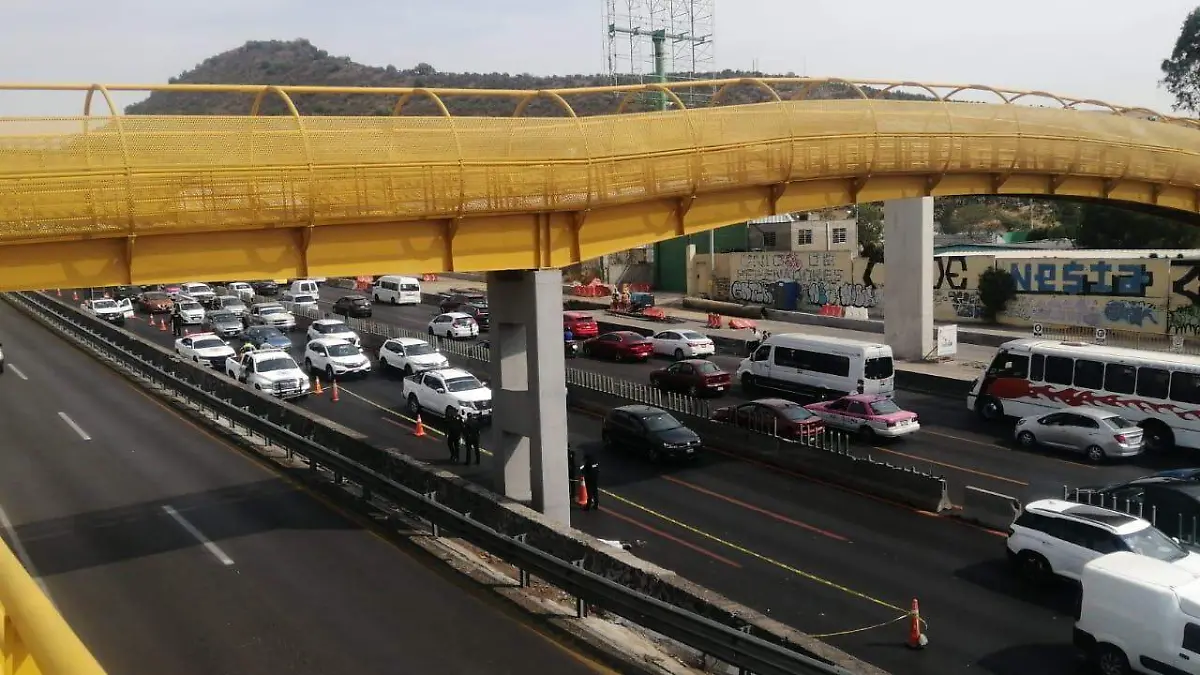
x=661 y=41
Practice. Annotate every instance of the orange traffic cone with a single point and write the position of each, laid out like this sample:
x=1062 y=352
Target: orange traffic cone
x=317 y=390
x=335 y=392
x=162 y=324
x=916 y=638
x=150 y=318
x=59 y=292
x=75 y=296
x=581 y=495
x=420 y=429
x=187 y=331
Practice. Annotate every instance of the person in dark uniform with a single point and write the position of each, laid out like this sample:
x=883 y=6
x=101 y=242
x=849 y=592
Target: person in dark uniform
x=471 y=430
x=591 y=480
x=572 y=473
x=176 y=320
x=453 y=436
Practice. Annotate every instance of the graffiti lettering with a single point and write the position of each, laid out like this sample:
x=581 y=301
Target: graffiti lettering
x=1185 y=273
x=951 y=272
x=1064 y=311
x=966 y=304
x=1132 y=312
x=842 y=294
x=1184 y=321
x=758 y=292
x=1076 y=278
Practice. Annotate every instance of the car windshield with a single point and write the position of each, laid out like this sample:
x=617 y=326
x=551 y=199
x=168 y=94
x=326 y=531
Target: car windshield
x=692 y=336
x=103 y=304
x=304 y=299
x=277 y=363
x=344 y=350
x=1153 y=543
x=199 y=288
x=267 y=333
x=274 y=309
x=419 y=349
x=233 y=302
x=190 y=306
x=796 y=413
x=884 y=407
x=155 y=295
x=463 y=384
x=661 y=422
x=878 y=368
x=359 y=301
x=221 y=317
x=707 y=368
x=1118 y=422
x=207 y=343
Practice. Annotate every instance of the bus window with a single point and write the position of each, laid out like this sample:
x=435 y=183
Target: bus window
x=1119 y=379
x=1089 y=374
x=1037 y=368
x=1060 y=370
x=1153 y=382
x=1185 y=387
x=1009 y=365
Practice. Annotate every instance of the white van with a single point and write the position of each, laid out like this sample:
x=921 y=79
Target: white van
x=820 y=367
x=1138 y=614
x=305 y=287
x=397 y=290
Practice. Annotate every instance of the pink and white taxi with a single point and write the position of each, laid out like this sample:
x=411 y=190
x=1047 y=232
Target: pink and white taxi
x=866 y=414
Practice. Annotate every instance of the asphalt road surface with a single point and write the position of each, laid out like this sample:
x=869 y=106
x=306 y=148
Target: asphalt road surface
x=826 y=561
x=170 y=552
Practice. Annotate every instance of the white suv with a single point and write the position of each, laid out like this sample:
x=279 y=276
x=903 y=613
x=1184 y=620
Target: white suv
x=336 y=358
x=411 y=356
x=1055 y=537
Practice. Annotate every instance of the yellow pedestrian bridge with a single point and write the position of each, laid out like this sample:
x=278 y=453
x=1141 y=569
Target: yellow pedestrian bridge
x=105 y=198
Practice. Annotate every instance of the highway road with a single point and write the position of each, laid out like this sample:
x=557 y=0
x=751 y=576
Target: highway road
x=170 y=552
x=953 y=441
x=829 y=562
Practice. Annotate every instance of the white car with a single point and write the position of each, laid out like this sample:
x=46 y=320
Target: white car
x=108 y=310
x=335 y=358
x=332 y=328
x=301 y=303
x=683 y=344
x=272 y=314
x=204 y=348
x=272 y=371
x=447 y=391
x=411 y=355
x=454 y=325
x=191 y=311
x=1037 y=547
x=241 y=289
x=202 y=293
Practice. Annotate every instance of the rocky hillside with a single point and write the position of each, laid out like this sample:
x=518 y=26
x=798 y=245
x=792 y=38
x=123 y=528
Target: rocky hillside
x=299 y=62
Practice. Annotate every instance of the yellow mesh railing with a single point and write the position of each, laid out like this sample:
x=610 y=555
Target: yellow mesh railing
x=34 y=638
x=111 y=175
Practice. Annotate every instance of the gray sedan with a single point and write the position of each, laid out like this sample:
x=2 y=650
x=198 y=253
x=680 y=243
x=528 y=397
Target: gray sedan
x=1096 y=433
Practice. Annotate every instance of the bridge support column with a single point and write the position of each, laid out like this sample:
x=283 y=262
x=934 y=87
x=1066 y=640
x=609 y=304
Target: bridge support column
x=908 y=297
x=528 y=372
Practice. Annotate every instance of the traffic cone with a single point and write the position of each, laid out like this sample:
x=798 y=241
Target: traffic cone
x=317 y=390
x=335 y=392
x=187 y=331
x=420 y=429
x=75 y=296
x=162 y=324
x=581 y=495
x=59 y=292
x=916 y=638
x=150 y=318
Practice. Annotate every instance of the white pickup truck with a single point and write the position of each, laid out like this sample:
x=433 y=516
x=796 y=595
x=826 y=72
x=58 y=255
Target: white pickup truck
x=109 y=310
x=445 y=391
x=271 y=370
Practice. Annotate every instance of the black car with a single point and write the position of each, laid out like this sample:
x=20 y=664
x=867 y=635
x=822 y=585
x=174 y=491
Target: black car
x=479 y=312
x=650 y=431
x=452 y=302
x=265 y=287
x=352 y=305
x=120 y=293
x=1172 y=504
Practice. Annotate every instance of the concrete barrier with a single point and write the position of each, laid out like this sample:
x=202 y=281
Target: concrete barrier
x=989 y=509
x=497 y=512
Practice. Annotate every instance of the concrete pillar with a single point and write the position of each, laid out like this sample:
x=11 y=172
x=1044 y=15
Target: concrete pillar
x=528 y=380
x=908 y=295
x=689 y=257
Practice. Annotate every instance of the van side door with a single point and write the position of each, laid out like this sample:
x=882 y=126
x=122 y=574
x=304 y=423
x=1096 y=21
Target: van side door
x=1187 y=655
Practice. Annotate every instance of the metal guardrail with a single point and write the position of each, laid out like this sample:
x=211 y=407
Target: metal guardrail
x=34 y=637
x=748 y=652
x=1111 y=337
x=1183 y=528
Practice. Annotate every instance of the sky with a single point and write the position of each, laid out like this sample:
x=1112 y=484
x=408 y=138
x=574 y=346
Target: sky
x=1104 y=49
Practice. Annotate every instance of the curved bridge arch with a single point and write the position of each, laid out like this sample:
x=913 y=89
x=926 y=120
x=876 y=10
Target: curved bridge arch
x=99 y=200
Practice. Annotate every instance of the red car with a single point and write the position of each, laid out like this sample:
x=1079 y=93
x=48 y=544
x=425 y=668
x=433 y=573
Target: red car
x=581 y=325
x=696 y=377
x=777 y=416
x=623 y=345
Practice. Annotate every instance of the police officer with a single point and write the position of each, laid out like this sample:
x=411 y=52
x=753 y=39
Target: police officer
x=471 y=423
x=453 y=436
x=247 y=347
x=591 y=480
x=176 y=320
x=572 y=473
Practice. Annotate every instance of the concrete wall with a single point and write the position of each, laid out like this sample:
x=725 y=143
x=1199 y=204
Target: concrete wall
x=1147 y=295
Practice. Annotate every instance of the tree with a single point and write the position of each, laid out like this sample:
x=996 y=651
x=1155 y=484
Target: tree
x=870 y=230
x=967 y=218
x=1113 y=227
x=1182 y=71
x=996 y=288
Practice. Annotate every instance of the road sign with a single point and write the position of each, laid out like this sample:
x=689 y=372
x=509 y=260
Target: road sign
x=1037 y=330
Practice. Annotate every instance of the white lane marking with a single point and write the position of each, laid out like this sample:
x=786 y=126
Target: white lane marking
x=22 y=554
x=71 y=423
x=191 y=529
x=17 y=371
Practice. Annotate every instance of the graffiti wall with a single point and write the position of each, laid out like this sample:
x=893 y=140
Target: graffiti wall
x=1183 y=304
x=1123 y=294
x=956 y=287
x=827 y=278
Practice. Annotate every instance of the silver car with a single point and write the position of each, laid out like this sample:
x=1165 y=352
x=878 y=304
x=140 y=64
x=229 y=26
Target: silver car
x=1096 y=433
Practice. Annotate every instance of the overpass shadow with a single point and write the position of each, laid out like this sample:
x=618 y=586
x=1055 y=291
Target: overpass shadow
x=72 y=543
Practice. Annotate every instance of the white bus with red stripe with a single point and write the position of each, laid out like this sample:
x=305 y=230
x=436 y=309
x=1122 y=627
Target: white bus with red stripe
x=1158 y=390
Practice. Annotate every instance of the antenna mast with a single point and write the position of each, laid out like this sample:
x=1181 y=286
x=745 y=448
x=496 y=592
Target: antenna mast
x=661 y=41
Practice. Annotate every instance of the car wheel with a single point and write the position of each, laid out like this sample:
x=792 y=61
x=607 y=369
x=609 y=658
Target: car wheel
x=376 y=298
x=408 y=371
x=449 y=335
x=430 y=329
x=678 y=354
x=394 y=301
x=748 y=385
x=414 y=406
x=196 y=358
x=450 y=413
x=1111 y=661
x=867 y=434
x=617 y=357
x=1095 y=454
x=1158 y=436
x=1026 y=439
x=329 y=373
x=1034 y=567
x=653 y=455
x=990 y=409
x=606 y=440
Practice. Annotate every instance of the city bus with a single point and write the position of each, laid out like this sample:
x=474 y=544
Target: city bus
x=1159 y=391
